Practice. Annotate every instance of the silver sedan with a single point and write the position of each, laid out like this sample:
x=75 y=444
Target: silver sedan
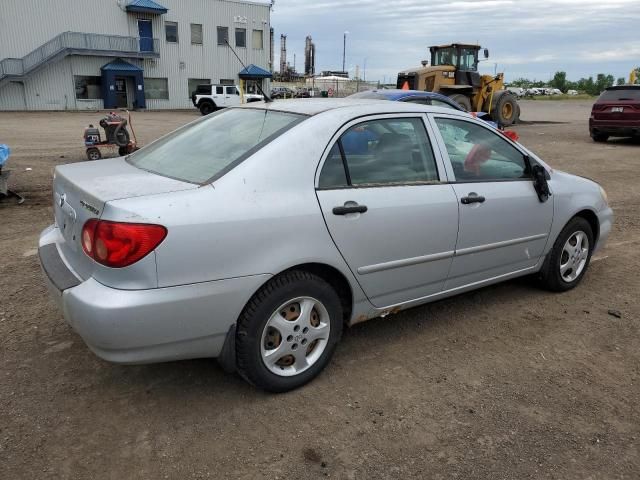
x=255 y=234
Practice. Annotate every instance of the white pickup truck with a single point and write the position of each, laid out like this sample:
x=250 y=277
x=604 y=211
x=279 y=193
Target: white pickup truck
x=209 y=98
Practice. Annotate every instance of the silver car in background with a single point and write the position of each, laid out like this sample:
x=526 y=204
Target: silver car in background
x=254 y=234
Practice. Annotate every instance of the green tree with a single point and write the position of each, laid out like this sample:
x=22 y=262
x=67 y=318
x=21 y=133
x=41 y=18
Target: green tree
x=621 y=81
x=560 y=81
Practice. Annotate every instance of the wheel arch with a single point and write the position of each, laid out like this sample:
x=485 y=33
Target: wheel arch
x=333 y=277
x=591 y=217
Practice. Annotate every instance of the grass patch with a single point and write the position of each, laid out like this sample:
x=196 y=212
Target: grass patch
x=582 y=96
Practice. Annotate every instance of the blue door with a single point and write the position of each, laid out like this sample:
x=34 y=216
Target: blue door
x=146 y=35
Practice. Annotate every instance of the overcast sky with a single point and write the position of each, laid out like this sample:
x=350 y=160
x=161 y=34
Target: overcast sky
x=526 y=38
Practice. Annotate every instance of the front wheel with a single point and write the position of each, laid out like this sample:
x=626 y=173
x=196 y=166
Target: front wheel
x=506 y=111
x=570 y=256
x=288 y=331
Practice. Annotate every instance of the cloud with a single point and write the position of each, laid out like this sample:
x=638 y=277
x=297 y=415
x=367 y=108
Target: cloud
x=525 y=37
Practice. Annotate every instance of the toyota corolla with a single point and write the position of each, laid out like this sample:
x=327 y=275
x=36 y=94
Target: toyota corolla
x=255 y=234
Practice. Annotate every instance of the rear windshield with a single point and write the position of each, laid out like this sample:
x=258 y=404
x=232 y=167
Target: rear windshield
x=369 y=94
x=208 y=148
x=622 y=94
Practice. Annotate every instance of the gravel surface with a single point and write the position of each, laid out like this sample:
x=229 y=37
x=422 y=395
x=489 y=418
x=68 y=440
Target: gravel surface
x=508 y=382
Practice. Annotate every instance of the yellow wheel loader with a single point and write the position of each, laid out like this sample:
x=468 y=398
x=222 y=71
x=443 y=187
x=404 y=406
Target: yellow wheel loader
x=454 y=72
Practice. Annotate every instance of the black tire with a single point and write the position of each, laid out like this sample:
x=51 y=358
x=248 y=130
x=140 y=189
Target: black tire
x=122 y=151
x=599 y=137
x=254 y=318
x=207 y=107
x=505 y=111
x=461 y=100
x=93 y=154
x=550 y=274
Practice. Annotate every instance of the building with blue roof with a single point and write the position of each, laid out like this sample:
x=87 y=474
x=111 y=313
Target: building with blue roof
x=99 y=54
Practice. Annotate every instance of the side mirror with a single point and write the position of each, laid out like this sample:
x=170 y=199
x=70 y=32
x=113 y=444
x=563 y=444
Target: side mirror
x=540 y=184
x=486 y=53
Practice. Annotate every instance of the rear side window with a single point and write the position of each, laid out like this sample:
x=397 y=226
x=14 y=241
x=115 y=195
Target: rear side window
x=208 y=148
x=381 y=152
x=219 y=90
x=622 y=94
x=478 y=154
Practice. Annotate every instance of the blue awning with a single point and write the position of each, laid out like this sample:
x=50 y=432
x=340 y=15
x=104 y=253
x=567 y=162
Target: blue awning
x=254 y=72
x=146 y=6
x=121 y=66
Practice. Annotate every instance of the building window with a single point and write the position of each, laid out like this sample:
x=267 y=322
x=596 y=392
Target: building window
x=223 y=35
x=156 y=89
x=171 y=32
x=193 y=83
x=227 y=81
x=241 y=37
x=196 y=34
x=257 y=39
x=88 y=88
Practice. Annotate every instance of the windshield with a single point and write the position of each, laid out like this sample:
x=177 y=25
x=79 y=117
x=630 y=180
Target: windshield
x=621 y=94
x=468 y=59
x=209 y=147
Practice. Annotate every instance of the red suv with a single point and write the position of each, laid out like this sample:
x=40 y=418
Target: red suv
x=616 y=113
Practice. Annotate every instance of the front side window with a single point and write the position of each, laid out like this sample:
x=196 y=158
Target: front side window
x=379 y=152
x=241 y=37
x=223 y=35
x=478 y=154
x=202 y=150
x=468 y=59
x=171 y=32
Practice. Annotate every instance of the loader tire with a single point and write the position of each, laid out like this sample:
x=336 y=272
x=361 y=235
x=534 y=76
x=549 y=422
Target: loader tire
x=506 y=111
x=461 y=100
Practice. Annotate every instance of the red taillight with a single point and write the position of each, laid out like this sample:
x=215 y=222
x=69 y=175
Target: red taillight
x=117 y=244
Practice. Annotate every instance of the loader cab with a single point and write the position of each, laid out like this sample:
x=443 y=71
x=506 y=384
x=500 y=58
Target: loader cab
x=462 y=57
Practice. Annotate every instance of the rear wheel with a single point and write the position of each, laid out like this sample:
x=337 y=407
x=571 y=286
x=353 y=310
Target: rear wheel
x=599 y=137
x=288 y=331
x=93 y=154
x=570 y=256
x=461 y=100
x=506 y=111
x=207 y=107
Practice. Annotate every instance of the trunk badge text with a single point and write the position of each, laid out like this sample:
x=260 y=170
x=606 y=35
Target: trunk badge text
x=91 y=208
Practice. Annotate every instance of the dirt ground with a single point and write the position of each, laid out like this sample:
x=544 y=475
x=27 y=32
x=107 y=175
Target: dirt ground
x=509 y=382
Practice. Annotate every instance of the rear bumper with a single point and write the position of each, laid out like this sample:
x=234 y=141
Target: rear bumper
x=614 y=127
x=147 y=326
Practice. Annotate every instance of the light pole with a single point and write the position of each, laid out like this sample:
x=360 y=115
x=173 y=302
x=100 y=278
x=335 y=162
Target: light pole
x=344 y=48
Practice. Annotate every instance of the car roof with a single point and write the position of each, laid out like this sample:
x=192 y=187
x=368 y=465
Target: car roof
x=624 y=87
x=363 y=106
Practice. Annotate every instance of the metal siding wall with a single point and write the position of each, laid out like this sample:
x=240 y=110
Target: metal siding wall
x=52 y=88
x=207 y=60
x=12 y=97
x=27 y=24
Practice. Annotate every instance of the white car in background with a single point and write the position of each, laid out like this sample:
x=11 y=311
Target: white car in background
x=209 y=98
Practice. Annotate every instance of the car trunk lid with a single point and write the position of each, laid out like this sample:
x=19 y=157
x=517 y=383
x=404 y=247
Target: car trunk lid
x=81 y=190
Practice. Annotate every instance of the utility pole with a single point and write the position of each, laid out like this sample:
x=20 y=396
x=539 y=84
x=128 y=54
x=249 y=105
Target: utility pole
x=344 y=49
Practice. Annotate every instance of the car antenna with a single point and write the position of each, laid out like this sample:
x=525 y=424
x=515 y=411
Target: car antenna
x=267 y=99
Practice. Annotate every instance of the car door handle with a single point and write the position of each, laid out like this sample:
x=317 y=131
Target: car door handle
x=472 y=198
x=349 y=209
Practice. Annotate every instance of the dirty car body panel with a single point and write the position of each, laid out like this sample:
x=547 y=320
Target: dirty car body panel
x=263 y=212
